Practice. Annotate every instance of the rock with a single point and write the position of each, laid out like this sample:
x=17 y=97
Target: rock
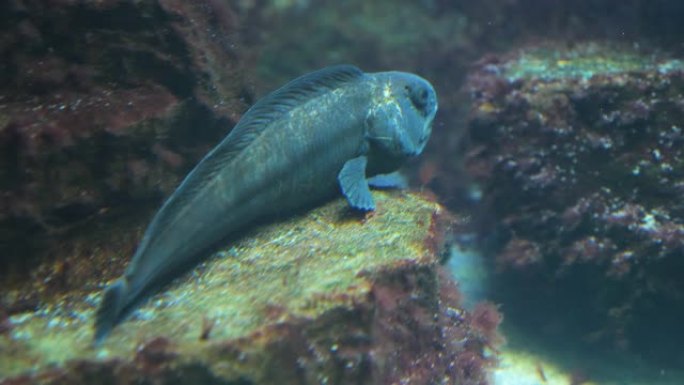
x=326 y=296
x=578 y=154
x=105 y=106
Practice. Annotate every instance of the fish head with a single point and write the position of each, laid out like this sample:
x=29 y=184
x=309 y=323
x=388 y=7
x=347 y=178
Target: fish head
x=399 y=122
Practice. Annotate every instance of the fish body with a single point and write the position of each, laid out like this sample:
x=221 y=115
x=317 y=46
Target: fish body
x=320 y=134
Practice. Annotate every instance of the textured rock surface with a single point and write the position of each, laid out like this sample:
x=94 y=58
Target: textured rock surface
x=579 y=157
x=104 y=105
x=327 y=296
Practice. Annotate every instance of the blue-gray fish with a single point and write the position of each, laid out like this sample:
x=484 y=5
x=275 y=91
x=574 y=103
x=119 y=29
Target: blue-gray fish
x=334 y=130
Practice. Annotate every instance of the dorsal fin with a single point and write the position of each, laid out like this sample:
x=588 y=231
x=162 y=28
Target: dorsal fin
x=252 y=124
x=292 y=94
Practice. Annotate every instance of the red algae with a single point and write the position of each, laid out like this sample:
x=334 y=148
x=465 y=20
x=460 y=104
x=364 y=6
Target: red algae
x=99 y=115
x=485 y=319
x=577 y=154
x=150 y=356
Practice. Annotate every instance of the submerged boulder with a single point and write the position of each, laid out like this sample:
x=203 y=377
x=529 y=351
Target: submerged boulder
x=578 y=156
x=327 y=296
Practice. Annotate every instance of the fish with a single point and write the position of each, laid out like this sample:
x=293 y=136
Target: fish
x=330 y=132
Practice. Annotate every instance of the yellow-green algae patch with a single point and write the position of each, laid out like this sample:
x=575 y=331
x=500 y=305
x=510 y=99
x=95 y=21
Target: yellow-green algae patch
x=584 y=61
x=296 y=268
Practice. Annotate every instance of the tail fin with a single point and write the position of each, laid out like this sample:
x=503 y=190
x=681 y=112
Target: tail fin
x=109 y=313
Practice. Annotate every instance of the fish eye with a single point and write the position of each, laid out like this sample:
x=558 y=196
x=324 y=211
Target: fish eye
x=418 y=96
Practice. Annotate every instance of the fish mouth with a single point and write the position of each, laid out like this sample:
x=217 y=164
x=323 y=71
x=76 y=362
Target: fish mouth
x=420 y=146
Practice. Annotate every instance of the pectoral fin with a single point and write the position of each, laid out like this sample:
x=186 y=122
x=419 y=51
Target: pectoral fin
x=352 y=179
x=391 y=180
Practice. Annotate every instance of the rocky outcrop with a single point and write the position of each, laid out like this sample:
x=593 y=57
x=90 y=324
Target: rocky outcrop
x=327 y=296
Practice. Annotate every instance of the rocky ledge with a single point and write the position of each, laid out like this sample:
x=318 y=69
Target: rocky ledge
x=324 y=297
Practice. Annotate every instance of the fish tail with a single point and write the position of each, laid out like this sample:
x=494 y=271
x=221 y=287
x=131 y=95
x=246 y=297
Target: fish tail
x=110 y=309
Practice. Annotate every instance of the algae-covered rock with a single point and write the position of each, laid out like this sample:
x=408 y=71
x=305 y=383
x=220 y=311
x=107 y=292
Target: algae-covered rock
x=324 y=297
x=104 y=105
x=579 y=156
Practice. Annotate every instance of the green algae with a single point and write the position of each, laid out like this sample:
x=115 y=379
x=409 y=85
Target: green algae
x=584 y=62
x=298 y=268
